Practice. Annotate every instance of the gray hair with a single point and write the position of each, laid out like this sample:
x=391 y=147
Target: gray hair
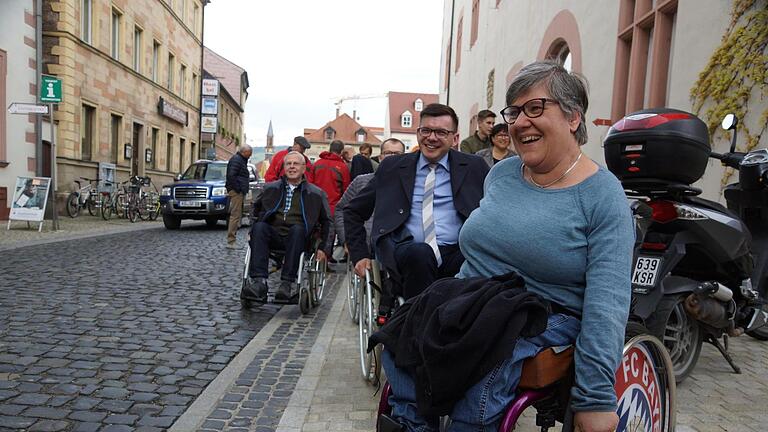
x=295 y=153
x=569 y=89
x=244 y=148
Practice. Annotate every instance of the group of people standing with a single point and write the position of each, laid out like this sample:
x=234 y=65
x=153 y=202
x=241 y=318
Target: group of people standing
x=517 y=198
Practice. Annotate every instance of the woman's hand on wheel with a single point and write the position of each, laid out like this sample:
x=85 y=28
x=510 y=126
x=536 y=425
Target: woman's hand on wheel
x=321 y=255
x=595 y=421
x=361 y=266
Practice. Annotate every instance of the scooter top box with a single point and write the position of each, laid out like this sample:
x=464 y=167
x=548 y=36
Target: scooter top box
x=663 y=144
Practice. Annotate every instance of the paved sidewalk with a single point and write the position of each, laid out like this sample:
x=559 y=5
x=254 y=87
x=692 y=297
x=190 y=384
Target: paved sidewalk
x=712 y=399
x=83 y=226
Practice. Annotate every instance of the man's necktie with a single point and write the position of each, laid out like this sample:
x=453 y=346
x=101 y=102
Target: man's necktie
x=427 y=214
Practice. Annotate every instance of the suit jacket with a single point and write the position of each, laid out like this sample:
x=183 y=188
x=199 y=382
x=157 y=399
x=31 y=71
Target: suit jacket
x=390 y=192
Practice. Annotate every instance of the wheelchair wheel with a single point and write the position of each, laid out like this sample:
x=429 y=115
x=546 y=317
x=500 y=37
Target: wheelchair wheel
x=318 y=281
x=366 y=320
x=645 y=384
x=353 y=285
x=304 y=301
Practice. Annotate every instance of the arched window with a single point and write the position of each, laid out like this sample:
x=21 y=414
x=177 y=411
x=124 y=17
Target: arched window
x=418 y=105
x=561 y=53
x=406 y=119
x=360 y=136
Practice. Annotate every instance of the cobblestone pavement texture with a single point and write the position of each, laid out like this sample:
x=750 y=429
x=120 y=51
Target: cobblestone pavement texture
x=118 y=332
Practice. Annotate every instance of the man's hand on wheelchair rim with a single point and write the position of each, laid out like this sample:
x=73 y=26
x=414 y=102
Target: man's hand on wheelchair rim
x=595 y=421
x=361 y=266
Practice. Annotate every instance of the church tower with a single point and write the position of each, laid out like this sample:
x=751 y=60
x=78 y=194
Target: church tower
x=270 y=140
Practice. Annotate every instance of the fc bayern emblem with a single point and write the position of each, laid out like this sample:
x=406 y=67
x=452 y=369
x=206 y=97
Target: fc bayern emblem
x=638 y=389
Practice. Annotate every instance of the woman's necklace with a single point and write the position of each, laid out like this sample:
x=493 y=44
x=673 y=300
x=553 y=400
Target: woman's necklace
x=568 y=171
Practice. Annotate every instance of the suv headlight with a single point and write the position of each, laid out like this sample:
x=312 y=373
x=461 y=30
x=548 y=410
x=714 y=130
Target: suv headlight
x=166 y=191
x=219 y=191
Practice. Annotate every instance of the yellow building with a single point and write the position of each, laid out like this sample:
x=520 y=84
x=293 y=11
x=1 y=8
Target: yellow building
x=131 y=75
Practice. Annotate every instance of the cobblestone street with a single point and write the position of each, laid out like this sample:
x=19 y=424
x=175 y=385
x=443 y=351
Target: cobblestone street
x=122 y=330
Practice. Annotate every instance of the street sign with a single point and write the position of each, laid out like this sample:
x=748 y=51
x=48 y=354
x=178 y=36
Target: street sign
x=50 y=89
x=209 y=124
x=27 y=108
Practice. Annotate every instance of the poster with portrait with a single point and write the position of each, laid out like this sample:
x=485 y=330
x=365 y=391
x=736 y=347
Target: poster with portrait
x=29 y=199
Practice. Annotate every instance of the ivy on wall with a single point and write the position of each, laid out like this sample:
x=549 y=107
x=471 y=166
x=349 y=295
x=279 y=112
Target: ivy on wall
x=737 y=74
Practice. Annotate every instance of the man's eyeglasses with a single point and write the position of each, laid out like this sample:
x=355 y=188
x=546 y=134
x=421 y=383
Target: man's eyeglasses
x=532 y=109
x=391 y=153
x=425 y=132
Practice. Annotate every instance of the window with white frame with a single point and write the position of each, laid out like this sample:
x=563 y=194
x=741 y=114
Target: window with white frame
x=406 y=119
x=360 y=136
x=155 y=60
x=116 y=18
x=418 y=105
x=137 y=48
x=86 y=21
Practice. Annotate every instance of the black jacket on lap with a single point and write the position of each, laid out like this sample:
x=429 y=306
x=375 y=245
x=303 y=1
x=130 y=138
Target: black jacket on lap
x=454 y=333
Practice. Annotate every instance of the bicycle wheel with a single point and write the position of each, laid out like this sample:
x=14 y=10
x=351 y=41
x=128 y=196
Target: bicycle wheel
x=106 y=207
x=92 y=205
x=120 y=205
x=73 y=205
x=143 y=208
x=154 y=206
x=132 y=212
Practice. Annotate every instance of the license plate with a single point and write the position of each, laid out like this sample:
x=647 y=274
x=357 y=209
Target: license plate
x=189 y=203
x=646 y=270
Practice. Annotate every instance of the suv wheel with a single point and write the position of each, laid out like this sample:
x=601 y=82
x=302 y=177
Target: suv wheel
x=171 y=222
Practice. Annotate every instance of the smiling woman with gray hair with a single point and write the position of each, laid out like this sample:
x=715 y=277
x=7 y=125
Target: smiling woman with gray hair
x=562 y=223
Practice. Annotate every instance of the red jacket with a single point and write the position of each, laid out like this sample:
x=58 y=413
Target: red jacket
x=275 y=170
x=332 y=176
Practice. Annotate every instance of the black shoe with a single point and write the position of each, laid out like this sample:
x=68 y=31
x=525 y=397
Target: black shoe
x=285 y=290
x=255 y=288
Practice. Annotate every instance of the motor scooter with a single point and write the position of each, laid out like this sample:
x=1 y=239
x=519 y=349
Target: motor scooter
x=700 y=268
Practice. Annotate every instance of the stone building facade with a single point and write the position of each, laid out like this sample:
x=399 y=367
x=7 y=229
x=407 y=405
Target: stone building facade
x=635 y=54
x=131 y=74
x=18 y=83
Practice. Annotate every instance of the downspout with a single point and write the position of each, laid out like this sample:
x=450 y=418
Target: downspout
x=39 y=67
x=200 y=84
x=450 y=57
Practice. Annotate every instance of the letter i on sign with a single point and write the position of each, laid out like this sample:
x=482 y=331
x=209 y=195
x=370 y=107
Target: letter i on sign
x=50 y=94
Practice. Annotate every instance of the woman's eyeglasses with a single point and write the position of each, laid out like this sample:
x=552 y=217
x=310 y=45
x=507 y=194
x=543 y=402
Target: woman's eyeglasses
x=532 y=109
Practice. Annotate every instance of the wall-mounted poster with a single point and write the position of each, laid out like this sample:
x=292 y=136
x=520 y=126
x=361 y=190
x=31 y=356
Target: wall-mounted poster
x=29 y=198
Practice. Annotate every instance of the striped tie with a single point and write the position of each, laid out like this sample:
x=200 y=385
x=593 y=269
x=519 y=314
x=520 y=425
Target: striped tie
x=427 y=215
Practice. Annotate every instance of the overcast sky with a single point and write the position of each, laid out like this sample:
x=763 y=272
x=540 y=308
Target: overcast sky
x=302 y=54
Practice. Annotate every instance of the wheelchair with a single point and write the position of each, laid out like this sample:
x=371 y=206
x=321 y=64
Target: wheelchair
x=310 y=280
x=645 y=389
x=353 y=289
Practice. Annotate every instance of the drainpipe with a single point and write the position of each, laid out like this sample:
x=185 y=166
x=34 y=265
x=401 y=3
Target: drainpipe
x=39 y=67
x=450 y=57
x=200 y=84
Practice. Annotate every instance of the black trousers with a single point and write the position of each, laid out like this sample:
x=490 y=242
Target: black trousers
x=265 y=237
x=417 y=264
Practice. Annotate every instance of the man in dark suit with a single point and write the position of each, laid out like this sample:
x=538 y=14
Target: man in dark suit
x=421 y=200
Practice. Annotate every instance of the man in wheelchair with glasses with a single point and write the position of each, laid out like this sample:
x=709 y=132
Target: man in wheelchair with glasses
x=287 y=214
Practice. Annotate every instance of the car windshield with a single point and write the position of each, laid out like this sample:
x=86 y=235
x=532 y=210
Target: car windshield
x=205 y=171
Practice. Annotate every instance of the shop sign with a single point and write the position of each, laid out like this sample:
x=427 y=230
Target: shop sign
x=172 y=111
x=210 y=106
x=210 y=87
x=209 y=124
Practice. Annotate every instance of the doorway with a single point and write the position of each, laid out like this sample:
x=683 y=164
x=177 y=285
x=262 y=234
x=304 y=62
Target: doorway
x=136 y=148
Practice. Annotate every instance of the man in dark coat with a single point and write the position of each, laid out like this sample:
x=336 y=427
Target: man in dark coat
x=423 y=199
x=238 y=187
x=287 y=213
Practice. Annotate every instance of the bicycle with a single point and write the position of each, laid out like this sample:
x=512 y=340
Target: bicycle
x=84 y=197
x=149 y=202
x=114 y=203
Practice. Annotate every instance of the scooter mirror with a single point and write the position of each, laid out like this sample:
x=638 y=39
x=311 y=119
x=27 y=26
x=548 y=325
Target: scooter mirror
x=729 y=121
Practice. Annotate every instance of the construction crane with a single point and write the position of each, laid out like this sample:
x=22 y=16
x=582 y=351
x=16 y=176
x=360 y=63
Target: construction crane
x=340 y=100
